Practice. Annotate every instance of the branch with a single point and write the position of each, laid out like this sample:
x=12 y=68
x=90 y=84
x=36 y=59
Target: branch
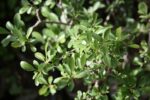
x=35 y=25
x=39 y=21
x=54 y=22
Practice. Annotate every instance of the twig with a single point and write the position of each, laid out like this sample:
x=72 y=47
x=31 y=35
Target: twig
x=35 y=25
x=54 y=22
x=39 y=21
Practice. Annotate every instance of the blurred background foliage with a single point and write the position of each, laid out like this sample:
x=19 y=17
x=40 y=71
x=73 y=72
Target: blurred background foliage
x=126 y=16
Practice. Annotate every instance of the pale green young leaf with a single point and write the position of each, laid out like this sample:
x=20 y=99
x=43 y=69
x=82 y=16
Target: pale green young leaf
x=26 y=66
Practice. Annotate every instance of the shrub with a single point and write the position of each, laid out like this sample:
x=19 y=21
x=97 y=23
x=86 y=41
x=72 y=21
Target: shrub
x=102 y=44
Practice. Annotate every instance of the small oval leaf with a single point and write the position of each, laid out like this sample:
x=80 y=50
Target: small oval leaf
x=26 y=66
x=39 y=56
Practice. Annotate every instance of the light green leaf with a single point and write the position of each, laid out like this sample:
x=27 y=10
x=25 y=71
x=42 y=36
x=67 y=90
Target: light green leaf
x=48 y=32
x=135 y=46
x=119 y=33
x=50 y=79
x=43 y=90
x=50 y=15
x=33 y=48
x=23 y=9
x=61 y=38
x=39 y=56
x=7 y=40
x=53 y=17
x=29 y=10
x=26 y=66
x=41 y=79
x=59 y=49
x=37 y=2
x=16 y=44
x=45 y=11
x=96 y=6
x=52 y=89
x=61 y=82
x=17 y=21
x=37 y=36
x=9 y=26
x=29 y=31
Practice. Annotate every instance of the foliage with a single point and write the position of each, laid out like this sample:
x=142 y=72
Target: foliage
x=108 y=53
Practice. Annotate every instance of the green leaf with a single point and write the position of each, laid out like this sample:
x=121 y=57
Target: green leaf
x=7 y=40
x=41 y=79
x=39 y=56
x=9 y=26
x=59 y=49
x=96 y=6
x=70 y=85
x=43 y=90
x=52 y=89
x=50 y=15
x=29 y=31
x=50 y=79
x=67 y=69
x=16 y=44
x=61 y=82
x=17 y=21
x=23 y=9
x=37 y=2
x=71 y=62
x=29 y=10
x=142 y=8
x=83 y=60
x=107 y=60
x=61 y=38
x=26 y=66
x=81 y=74
x=135 y=46
x=79 y=62
x=48 y=32
x=37 y=36
x=3 y=31
x=45 y=11
x=33 y=48
x=53 y=17
x=119 y=33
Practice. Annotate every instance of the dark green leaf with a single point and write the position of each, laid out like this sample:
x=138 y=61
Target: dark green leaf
x=3 y=31
x=70 y=85
x=142 y=8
